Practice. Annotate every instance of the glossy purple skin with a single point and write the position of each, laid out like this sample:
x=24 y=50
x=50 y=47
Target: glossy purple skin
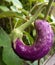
x=40 y=47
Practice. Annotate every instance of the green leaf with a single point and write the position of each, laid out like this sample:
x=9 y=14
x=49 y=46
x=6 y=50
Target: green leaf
x=13 y=8
x=10 y=58
x=32 y=63
x=16 y=3
x=29 y=38
x=4 y=38
x=40 y=0
x=8 y=0
x=2 y=63
x=36 y=0
x=4 y=8
x=11 y=14
x=36 y=62
x=53 y=3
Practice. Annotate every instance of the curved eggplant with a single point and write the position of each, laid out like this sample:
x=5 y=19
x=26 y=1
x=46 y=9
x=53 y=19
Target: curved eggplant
x=41 y=45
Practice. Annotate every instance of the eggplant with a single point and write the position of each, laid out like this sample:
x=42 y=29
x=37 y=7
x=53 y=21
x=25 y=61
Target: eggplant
x=41 y=46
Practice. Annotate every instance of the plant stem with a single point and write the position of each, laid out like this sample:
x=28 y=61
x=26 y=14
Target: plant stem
x=30 y=4
x=52 y=23
x=33 y=18
x=48 y=8
x=15 y=24
x=25 y=12
x=39 y=62
x=10 y=23
x=36 y=5
x=33 y=7
x=18 y=32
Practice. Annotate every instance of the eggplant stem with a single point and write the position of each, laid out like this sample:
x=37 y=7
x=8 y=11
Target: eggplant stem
x=33 y=18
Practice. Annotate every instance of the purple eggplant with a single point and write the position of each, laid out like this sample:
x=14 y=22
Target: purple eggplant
x=41 y=45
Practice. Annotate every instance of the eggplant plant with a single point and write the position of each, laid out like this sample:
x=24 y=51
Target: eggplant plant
x=26 y=33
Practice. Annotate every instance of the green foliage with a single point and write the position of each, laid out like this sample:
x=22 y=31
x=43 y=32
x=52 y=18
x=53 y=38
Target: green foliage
x=29 y=38
x=4 y=8
x=10 y=14
x=8 y=56
x=1 y=52
x=4 y=39
x=16 y=3
x=36 y=62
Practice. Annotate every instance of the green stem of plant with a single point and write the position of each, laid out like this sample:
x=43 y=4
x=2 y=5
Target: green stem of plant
x=10 y=23
x=25 y=12
x=39 y=62
x=48 y=8
x=33 y=18
x=18 y=32
x=15 y=25
x=52 y=23
x=36 y=5
x=33 y=7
